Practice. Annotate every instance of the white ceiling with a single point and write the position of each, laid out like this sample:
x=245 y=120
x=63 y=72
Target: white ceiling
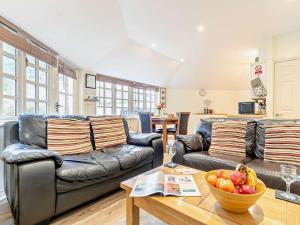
x=115 y=37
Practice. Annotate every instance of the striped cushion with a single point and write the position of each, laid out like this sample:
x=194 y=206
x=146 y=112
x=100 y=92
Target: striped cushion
x=69 y=136
x=229 y=138
x=108 y=131
x=282 y=143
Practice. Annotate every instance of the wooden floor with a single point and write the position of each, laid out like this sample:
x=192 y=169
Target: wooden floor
x=105 y=211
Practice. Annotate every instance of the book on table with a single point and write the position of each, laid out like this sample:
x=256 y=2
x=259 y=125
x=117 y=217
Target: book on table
x=165 y=184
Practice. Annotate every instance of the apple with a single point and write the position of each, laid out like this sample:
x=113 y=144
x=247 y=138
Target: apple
x=236 y=190
x=238 y=178
x=246 y=189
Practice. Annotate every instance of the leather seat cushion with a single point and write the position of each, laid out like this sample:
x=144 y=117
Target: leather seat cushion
x=206 y=161
x=87 y=166
x=130 y=155
x=268 y=172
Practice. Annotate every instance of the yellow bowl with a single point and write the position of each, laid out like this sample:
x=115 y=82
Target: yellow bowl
x=237 y=203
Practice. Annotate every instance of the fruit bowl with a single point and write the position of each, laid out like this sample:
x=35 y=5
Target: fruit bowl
x=237 y=203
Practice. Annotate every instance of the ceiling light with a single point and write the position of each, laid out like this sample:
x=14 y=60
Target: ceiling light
x=200 y=28
x=182 y=60
x=153 y=45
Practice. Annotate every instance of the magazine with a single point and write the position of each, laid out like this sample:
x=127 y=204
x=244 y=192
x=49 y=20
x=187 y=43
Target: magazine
x=165 y=184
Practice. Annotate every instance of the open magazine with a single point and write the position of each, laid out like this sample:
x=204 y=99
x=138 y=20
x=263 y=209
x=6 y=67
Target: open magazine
x=165 y=184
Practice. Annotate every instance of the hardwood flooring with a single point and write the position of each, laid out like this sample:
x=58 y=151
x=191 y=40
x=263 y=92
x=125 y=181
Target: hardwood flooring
x=105 y=211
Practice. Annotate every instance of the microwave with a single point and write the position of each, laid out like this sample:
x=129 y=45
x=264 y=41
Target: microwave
x=246 y=107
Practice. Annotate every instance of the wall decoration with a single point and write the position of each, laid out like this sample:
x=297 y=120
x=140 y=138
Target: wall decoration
x=163 y=95
x=90 y=81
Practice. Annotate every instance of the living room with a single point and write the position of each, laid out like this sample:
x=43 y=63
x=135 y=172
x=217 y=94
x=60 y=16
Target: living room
x=97 y=95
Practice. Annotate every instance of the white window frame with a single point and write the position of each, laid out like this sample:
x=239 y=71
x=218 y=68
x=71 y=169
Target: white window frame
x=16 y=57
x=37 y=85
x=66 y=94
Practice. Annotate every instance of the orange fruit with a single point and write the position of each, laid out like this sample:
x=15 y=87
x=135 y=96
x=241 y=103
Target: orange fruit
x=212 y=179
x=219 y=180
x=223 y=174
x=226 y=185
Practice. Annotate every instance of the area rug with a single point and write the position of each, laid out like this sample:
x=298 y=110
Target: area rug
x=145 y=219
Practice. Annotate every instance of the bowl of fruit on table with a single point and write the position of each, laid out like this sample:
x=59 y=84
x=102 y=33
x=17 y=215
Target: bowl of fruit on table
x=235 y=190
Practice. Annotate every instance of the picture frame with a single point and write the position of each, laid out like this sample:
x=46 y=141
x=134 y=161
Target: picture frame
x=90 y=81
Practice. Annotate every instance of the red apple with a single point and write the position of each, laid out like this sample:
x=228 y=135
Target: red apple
x=246 y=189
x=238 y=178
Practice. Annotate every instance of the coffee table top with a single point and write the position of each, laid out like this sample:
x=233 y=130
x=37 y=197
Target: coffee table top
x=206 y=210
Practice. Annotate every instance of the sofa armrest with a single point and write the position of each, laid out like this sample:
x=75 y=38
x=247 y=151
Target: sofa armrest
x=180 y=151
x=21 y=153
x=192 y=142
x=157 y=145
x=142 y=139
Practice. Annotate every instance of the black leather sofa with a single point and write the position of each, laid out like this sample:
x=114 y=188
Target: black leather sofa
x=192 y=151
x=40 y=184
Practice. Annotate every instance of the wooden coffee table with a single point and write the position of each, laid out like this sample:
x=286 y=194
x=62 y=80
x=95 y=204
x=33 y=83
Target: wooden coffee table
x=205 y=209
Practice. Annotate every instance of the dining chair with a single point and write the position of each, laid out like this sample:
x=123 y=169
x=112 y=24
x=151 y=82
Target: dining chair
x=145 y=119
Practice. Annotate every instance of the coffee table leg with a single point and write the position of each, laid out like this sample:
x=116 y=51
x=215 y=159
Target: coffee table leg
x=132 y=211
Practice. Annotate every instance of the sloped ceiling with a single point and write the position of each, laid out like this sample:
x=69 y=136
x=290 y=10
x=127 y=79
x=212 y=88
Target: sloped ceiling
x=144 y=40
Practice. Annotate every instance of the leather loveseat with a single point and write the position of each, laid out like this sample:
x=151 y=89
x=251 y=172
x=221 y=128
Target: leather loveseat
x=192 y=151
x=41 y=184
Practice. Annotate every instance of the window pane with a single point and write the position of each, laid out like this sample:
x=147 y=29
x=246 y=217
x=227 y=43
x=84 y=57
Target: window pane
x=125 y=104
x=141 y=96
x=108 y=111
x=42 y=108
x=62 y=102
x=9 y=49
x=42 y=77
x=108 y=102
x=119 y=87
x=125 y=88
x=30 y=73
x=70 y=104
x=42 y=64
x=107 y=85
x=30 y=91
x=118 y=94
x=108 y=93
x=9 y=86
x=30 y=107
x=61 y=83
x=30 y=59
x=42 y=93
x=99 y=111
x=118 y=111
x=125 y=95
x=70 y=85
x=101 y=102
x=118 y=103
x=9 y=107
x=101 y=92
x=101 y=84
x=9 y=65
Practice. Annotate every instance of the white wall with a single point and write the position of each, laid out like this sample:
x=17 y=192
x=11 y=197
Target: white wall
x=222 y=101
x=287 y=45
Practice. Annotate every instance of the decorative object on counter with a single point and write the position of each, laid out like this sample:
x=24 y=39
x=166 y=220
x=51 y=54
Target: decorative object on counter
x=160 y=107
x=91 y=99
x=90 y=81
x=163 y=95
x=258 y=88
x=261 y=106
x=207 y=111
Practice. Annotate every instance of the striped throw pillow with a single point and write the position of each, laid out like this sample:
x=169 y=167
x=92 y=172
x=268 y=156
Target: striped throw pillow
x=69 y=136
x=282 y=143
x=229 y=138
x=108 y=131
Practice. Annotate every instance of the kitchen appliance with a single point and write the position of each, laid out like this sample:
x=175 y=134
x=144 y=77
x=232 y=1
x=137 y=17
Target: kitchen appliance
x=246 y=107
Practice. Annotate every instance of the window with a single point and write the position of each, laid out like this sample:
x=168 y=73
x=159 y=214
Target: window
x=66 y=94
x=105 y=93
x=122 y=97
x=36 y=86
x=138 y=100
x=151 y=100
x=8 y=80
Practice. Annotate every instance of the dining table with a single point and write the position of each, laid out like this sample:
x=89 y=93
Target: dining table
x=164 y=122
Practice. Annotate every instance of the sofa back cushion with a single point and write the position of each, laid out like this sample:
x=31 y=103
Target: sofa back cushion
x=69 y=136
x=108 y=131
x=229 y=138
x=205 y=129
x=282 y=143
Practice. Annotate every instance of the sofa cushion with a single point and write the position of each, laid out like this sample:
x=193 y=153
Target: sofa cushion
x=69 y=136
x=282 y=143
x=192 y=142
x=130 y=155
x=229 y=138
x=108 y=131
x=87 y=166
x=207 y=161
x=205 y=129
x=268 y=172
